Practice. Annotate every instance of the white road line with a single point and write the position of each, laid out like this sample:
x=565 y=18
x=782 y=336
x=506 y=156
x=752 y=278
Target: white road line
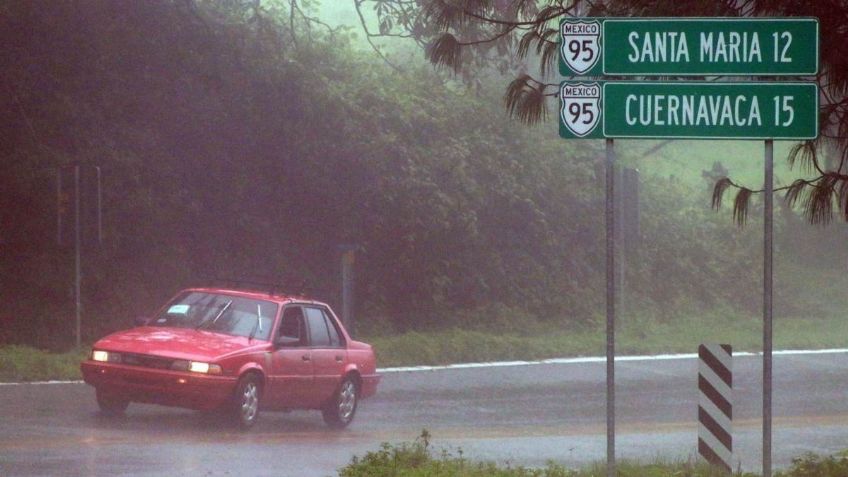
x=600 y=359
x=579 y=360
x=42 y=382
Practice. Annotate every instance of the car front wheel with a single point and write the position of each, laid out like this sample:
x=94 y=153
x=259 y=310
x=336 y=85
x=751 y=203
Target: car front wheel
x=111 y=404
x=339 y=412
x=246 y=401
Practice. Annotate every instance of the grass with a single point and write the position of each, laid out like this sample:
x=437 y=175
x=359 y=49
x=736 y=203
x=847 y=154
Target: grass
x=23 y=363
x=416 y=459
x=635 y=335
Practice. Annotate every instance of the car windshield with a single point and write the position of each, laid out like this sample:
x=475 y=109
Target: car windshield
x=228 y=314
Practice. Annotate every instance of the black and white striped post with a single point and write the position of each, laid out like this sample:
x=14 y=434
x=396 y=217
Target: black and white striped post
x=715 y=404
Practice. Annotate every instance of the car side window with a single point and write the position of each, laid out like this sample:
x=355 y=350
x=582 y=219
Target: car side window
x=291 y=326
x=318 y=334
x=335 y=339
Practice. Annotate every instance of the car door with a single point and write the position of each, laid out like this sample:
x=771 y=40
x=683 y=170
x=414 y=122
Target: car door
x=328 y=354
x=291 y=380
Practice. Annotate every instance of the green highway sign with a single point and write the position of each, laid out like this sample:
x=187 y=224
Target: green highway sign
x=689 y=110
x=689 y=46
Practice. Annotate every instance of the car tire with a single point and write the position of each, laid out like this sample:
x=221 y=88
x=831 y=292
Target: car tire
x=339 y=411
x=111 y=404
x=245 y=404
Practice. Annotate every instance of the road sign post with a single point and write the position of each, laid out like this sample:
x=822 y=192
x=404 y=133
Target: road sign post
x=690 y=110
x=768 y=261
x=610 y=276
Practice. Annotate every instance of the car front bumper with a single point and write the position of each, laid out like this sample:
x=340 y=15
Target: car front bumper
x=157 y=386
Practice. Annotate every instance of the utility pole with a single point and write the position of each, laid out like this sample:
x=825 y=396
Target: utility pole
x=94 y=225
x=348 y=259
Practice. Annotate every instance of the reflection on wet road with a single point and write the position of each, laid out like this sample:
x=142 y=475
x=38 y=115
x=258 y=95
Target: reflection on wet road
x=525 y=415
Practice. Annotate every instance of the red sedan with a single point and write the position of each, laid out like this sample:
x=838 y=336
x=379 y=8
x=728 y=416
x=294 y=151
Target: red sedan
x=237 y=351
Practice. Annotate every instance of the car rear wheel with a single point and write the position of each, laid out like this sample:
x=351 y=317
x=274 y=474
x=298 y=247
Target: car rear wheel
x=339 y=412
x=245 y=408
x=111 y=404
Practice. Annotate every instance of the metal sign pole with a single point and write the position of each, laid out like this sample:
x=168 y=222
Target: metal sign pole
x=347 y=290
x=77 y=265
x=610 y=242
x=59 y=205
x=768 y=255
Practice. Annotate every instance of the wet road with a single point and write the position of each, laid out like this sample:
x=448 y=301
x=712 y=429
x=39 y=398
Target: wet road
x=522 y=414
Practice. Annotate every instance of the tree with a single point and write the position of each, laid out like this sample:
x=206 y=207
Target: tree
x=471 y=37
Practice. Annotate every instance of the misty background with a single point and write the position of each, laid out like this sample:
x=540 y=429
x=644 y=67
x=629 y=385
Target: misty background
x=239 y=141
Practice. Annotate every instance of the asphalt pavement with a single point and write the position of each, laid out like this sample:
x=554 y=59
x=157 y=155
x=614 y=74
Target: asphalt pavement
x=524 y=415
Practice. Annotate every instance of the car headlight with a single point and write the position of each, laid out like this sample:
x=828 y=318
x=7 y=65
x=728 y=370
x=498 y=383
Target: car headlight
x=105 y=356
x=205 y=368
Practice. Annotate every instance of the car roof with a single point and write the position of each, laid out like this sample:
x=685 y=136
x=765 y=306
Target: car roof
x=257 y=294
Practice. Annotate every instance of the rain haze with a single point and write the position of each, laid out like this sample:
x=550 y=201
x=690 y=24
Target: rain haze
x=188 y=174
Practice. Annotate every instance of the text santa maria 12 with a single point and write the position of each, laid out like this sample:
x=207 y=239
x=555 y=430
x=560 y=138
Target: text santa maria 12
x=689 y=110
x=689 y=46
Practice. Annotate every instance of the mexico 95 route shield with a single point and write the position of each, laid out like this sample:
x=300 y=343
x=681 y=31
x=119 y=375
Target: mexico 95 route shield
x=580 y=114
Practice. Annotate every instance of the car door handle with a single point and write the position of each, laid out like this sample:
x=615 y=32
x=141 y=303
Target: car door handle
x=339 y=359
x=306 y=357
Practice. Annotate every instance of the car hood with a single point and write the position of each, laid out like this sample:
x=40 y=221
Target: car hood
x=180 y=343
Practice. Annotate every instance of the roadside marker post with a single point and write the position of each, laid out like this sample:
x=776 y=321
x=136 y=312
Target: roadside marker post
x=770 y=110
x=715 y=405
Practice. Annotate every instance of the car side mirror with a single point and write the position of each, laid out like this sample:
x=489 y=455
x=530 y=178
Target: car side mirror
x=141 y=320
x=286 y=341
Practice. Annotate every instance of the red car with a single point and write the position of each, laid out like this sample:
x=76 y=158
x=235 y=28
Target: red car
x=238 y=351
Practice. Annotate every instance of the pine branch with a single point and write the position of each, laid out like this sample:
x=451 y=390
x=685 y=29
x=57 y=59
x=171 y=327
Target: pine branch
x=525 y=100
x=446 y=51
x=740 y=206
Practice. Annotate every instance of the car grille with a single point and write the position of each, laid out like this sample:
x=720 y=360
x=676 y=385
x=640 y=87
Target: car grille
x=147 y=361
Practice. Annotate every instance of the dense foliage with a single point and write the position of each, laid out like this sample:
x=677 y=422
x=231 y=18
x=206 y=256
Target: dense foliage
x=471 y=37
x=236 y=140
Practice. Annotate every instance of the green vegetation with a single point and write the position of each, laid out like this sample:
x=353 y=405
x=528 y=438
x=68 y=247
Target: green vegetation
x=462 y=40
x=463 y=345
x=417 y=459
x=22 y=363
x=235 y=143
x=636 y=336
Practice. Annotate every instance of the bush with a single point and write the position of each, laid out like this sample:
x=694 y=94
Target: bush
x=417 y=460
x=813 y=465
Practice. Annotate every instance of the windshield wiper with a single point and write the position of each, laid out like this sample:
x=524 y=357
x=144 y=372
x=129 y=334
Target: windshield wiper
x=216 y=316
